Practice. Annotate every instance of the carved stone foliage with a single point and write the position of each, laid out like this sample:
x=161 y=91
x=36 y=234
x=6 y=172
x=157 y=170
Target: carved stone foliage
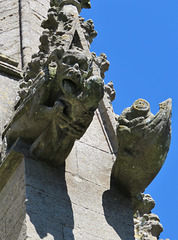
x=147 y=225
x=81 y=3
x=65 y=28
x=61 y=89
x=143 y=141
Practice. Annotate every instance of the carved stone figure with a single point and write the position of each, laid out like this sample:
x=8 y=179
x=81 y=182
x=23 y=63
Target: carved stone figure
x=61 y=89
x=143 y=142
x=58 y=108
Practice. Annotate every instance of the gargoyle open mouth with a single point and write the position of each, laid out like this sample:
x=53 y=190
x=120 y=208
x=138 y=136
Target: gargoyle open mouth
x=69 y=86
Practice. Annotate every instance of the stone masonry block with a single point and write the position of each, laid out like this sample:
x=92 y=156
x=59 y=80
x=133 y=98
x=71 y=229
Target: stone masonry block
x=96 y=167
x=95 y=137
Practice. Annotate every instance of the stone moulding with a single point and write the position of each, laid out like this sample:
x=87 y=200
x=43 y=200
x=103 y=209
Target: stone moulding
x=108 y=117
x=8 y=60
x=143 y=141
x=9 y=66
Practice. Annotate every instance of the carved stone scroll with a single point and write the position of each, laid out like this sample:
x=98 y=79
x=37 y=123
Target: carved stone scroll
x=143 y=141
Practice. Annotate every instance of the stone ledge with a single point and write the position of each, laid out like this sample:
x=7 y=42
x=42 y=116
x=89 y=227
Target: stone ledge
x=8 y=60
x=9 y=65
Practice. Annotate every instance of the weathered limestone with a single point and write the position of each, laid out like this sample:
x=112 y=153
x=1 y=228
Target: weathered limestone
x=144 y=141
x=9 y=66
x=108 y=117
x=147 y=224
x=60 y=91
x=64 y=115
x=9 y=29
x=19 y=33
x=12 y=199
x=9 y=78
x=77 y=203
x=31 y=26
x=78 y=3
x=58 y=99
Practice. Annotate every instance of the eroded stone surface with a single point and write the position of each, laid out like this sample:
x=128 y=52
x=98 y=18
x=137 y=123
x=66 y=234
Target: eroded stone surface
x=147 y=224
x=12 y=207
x=81 y=204
x=143 y=141
x=108 y=117
x=81 y=3
x=9 y=29
x=61 y=90
x=8 y=94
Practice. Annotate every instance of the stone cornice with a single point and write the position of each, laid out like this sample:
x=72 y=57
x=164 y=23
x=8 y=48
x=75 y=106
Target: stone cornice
x=9 y=66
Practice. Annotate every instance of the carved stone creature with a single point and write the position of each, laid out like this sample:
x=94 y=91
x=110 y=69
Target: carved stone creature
x=58 y=108
x=143 y=141
x=62 y=86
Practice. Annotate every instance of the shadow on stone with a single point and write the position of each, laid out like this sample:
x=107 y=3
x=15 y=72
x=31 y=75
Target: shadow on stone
x=118 y=214
x=48 y=204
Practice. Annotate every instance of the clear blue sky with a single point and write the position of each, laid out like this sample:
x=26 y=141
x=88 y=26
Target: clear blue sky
x=140 y=39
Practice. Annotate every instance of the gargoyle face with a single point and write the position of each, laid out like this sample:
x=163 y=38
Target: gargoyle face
x=75 y=91
x=73 y=71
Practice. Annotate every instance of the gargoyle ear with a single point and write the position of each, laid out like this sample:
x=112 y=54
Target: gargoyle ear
x=56 y=55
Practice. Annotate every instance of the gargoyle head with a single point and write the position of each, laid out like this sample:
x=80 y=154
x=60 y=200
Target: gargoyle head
x=60 y=103
x=75 y=89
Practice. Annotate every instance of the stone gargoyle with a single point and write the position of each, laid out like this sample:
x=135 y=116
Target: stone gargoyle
x=143 y=141
x=58 y=107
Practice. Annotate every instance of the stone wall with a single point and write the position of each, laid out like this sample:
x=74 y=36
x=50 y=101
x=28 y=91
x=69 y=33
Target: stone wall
x=9 y=29
x=8 y=94
x=12 y=207
x=31 y=26
x=72 y=203
x=20 y=27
